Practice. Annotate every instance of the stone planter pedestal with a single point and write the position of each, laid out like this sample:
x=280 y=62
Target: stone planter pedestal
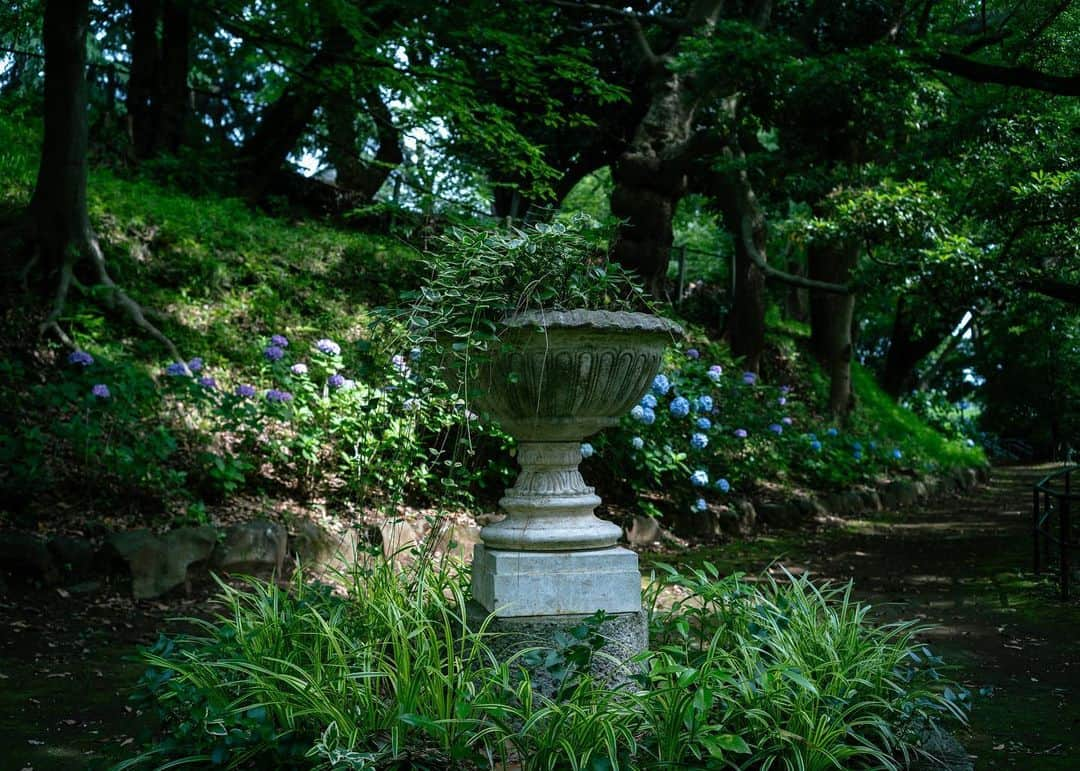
x=551 y=562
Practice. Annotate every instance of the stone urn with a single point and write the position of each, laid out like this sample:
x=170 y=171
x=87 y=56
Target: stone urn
x=558 y=378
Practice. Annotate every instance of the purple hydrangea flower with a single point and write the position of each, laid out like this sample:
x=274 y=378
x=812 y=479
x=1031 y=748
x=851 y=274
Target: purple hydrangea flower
x=815 y=445
x=722 y=485
x=699 y=441
x=245 y=391
x=680 y=407
x=101 y=391
x=785 y=389
x=273 y=353
x=700 y=505
x=704 y=403
x=208 y=382
x=699 y=478
x=741 y=433
x=693 y=353
x=196 y=364
x=749 y=378
x=398 y=361
x=587 y=450
x=279 y=340
x=776 y=428
x=786 y=420
x=329 y=347
x=411 y=405
x=661 y=385
x=82 y=358
x=648 y=401
x=649 y=417
x=176 y=369
x=337 y=380
x=274 y=395
x=704 y=423
x=298 y=369
x=637 y=442
x=782 y=401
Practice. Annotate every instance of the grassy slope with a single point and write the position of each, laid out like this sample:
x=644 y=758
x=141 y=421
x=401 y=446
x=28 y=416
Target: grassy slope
x=227 y=277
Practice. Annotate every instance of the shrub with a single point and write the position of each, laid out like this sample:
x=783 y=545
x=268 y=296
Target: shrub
x=781 y=674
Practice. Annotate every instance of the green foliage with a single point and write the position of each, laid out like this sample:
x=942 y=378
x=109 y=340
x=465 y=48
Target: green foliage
x=789 y=675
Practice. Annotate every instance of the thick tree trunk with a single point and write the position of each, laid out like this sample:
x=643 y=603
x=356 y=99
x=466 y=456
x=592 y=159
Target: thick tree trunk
x=831 y=317
x=907 y=349
x=647 y=190
x=158 y=95
x=284 y=121
x=174 y=104
x=58 y=209
x=746 y=222
x=143 y=78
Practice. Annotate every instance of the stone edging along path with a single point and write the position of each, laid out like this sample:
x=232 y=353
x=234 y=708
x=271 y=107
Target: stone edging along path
x=745 y=517
x=157 y=563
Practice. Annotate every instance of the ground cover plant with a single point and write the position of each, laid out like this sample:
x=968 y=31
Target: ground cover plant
x=780 y=674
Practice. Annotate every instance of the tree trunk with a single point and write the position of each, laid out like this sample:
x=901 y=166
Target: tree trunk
x=831 y=317
x=174 y=96
x=746 y=222
x=907 y=349
x=284 y=121
x=143 y=78
x=58 y=210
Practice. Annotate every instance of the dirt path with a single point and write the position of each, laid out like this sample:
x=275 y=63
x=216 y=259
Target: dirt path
x=964 y=565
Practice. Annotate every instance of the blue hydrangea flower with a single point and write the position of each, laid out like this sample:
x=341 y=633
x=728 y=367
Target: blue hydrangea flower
x=811 y=436
x=815 y=446
x=81 y=358
x=648 y=401
x=329 y=347
x=208 y=382
x=782 y=401
x=649 y=417
x=704 y=403
x=699 y=478
x=704 y=423
x=101 y=391
x=857 y=446
x=699 y=441
x=897 y=454
x=722 y=485
x=787 y=421
x=274 y=395
x=273 y=353
x=245 y=391
x=776 y=428
x=741 y=433
x=700 y=505
x=176 y=369
x=298 y=369
x=715 y=372
x=638 y=412
x=970 y=442
x=398 y=362
x=873 y=445
x=749 y=378
x=857 y=454
x=680 y=407
x=693 y=353
x=661 y=385
x=637 y=442
x=337 y=380
x=587 y=450
x=196 y=364
x=280 y=341
x=832 y=432
x=414 y=354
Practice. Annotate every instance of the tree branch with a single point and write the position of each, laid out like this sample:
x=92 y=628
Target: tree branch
x=1049 y=287
x=747 y=235
x=1020 y=77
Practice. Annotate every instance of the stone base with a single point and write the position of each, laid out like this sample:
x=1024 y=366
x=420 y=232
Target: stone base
x=627 y=635
x=513 y=584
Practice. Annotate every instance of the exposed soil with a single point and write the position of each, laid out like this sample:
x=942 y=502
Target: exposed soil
x=67 y=667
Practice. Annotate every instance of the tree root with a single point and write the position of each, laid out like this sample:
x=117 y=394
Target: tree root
x=116 y=297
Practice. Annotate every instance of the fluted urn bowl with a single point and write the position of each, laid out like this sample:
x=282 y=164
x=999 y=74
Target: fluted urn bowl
x=564 y=375
x=558 y=377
